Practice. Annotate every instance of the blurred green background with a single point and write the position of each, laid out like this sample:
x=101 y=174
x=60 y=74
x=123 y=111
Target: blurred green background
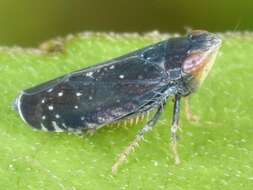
x=216 y=153
x=30 y=22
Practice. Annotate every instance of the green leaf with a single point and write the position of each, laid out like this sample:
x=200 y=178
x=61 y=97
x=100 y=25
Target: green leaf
x=216 y=153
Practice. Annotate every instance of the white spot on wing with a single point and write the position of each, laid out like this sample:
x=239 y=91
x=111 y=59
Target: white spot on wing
x=90 y=98
x=50 y=90
x=89 y=74
x=60 y=94
x=121 y=76
x=51 y=107
x=112 y=67
x=43 y=128
x=43 y=117
x=64 y=125
x=76 y=107
x=79 y=94
x=43 y=101
x=57 y=116
x=56 y=127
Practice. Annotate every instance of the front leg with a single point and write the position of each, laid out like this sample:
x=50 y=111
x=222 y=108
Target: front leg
x=174 y=128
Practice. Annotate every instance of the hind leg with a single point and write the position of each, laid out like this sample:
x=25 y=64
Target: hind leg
x=150 y=124
x=174 y=128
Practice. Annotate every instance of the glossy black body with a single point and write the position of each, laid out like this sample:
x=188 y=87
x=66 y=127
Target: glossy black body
x=111 y=91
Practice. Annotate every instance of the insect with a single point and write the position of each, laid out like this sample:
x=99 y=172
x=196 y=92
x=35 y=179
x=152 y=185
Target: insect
x=122 y=88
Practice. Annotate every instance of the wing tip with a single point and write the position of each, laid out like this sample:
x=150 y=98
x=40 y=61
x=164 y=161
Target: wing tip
x=16 y=105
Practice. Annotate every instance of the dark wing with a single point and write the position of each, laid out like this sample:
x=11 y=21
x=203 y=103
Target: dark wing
x=95 y=96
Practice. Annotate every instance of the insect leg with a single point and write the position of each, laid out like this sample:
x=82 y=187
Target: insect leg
x=123 y=156
x=174 y=127
x=189 y=115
